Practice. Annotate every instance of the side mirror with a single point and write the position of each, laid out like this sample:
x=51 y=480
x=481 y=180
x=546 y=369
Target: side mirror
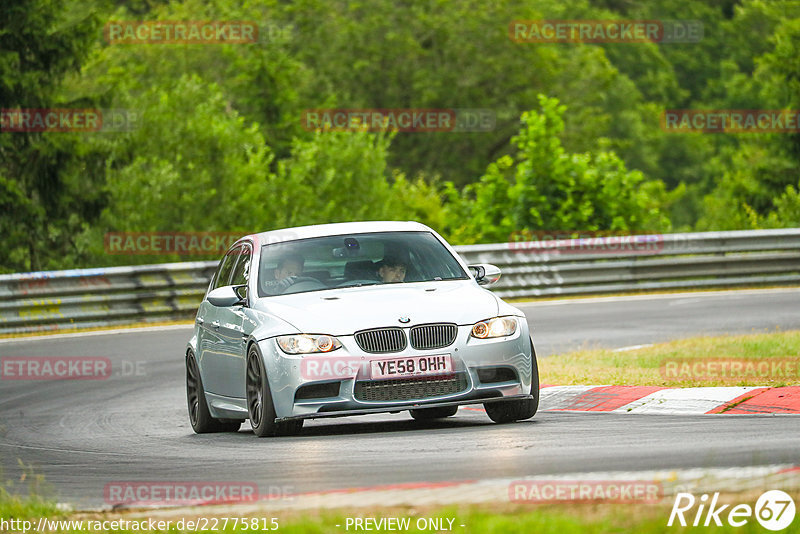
x=485 y=274
x=225 y=297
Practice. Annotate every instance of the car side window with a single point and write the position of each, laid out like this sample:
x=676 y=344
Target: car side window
x=241 y=273
x=224 y=271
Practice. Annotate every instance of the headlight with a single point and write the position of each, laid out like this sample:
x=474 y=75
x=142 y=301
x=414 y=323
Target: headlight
x=307 y=343
x=497 y=327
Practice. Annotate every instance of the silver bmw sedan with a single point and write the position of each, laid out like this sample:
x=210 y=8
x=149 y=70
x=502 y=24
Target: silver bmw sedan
x=354 y=318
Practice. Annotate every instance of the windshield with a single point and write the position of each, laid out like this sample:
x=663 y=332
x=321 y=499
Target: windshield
x=354 y=260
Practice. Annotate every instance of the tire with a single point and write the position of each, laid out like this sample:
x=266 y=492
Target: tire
x=517 y=410
x=427 y=414
x=199 y=415
x=259 y=401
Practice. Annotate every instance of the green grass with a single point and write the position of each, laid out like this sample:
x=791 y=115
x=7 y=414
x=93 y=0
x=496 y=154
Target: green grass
x=500 y=517
x=16 y=506
x=551 y=519
x=583 y=518
x=26 y=507
x=645 y=366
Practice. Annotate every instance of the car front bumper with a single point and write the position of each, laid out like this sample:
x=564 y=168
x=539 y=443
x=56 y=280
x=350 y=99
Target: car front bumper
x=400 y=408
x=483 y=370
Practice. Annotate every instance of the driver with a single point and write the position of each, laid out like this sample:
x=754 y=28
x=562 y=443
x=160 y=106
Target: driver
x=392 y=269
x=286 y=272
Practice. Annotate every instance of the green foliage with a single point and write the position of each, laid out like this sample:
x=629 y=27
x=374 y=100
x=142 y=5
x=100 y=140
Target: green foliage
x=193 y=164
x=335 y=176
x=342 y=176
x=456 y=54
x=43 y=198
x=759 y=171
x=787 y=209
x=745 y=196
x=546 y=187
x=263 y=81
x=417 y=199
x=28 y=496
x=220 y=144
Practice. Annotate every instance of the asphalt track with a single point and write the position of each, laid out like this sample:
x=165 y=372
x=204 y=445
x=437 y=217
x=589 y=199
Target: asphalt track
x=82 y=435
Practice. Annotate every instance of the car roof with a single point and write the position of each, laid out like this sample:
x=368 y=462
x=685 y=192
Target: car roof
x=322 y=230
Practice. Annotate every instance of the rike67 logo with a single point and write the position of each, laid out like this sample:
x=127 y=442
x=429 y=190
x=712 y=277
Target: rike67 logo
x=774 y=510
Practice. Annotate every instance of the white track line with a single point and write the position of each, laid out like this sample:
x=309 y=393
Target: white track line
x=632 y=347
x=684 y=400
x=134 y=329
x=659 y=296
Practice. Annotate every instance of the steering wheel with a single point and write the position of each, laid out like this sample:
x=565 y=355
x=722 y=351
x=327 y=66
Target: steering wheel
x=305 y=279
x=304 y=283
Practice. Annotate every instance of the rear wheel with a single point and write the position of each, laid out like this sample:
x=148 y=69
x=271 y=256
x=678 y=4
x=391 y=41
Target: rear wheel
x=426 y=414
x=199 y=414
x=259 y=401
x=517 y=410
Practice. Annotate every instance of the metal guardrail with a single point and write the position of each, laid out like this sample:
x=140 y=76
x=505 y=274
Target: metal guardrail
x=58 y=300
x=645 y=262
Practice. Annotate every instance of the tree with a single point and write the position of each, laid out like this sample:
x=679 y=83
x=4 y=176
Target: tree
x=46 y=191
x=545 y=187
x=757 y=173
x=192 y=164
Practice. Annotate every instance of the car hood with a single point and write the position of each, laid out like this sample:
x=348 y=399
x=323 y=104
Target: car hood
x=347 y=310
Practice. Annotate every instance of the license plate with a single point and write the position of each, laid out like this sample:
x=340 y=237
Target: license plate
x=436 y=364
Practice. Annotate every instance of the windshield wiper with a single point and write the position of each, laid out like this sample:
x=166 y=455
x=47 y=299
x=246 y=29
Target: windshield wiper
x=360 y=284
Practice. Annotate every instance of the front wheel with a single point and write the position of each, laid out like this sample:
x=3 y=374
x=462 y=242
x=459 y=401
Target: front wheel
x=199 y=414
x=427 y=414
x=517 y=410
x=259 y=401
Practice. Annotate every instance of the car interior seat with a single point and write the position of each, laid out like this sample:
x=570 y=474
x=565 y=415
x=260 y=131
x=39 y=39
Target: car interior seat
x=360 y=270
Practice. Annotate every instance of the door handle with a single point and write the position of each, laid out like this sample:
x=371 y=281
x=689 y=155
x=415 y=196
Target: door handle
x=200 y=321
x=215 y=324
